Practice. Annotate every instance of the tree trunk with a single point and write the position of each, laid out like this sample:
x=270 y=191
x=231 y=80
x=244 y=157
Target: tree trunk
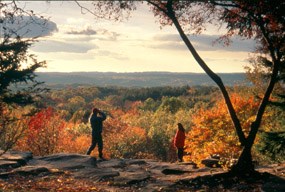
x=245 y=164
x=209 y=72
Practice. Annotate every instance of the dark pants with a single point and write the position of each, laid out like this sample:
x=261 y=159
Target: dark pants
x=96 y=139
x=180 y=152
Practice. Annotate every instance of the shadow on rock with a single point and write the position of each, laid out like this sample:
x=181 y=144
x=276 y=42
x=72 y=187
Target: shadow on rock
x=216 y=182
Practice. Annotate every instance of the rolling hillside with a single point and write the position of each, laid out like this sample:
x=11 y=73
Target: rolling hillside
x=138 y=79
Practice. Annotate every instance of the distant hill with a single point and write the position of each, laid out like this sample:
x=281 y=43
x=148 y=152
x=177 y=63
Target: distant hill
x=137 y=79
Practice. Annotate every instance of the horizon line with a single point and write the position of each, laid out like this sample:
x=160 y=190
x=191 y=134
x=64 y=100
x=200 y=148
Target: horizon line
x=132 y=72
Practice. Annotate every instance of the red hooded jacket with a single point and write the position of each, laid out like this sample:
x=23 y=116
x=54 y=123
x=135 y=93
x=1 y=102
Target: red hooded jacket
x=179 y=139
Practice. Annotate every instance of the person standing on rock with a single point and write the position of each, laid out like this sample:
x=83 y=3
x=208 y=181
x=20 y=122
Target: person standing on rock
x=96 y=120
x=179 y=141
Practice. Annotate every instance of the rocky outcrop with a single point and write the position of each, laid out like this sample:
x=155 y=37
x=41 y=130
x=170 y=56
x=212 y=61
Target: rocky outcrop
x=149 y=175
x=212 y=161
x=13 y=159
x=119 y=172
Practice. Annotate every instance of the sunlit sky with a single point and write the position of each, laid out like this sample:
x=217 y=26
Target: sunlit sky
x=74 y=41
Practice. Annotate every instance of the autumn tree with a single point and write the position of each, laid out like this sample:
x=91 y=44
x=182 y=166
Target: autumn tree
x=213 y=133
x=258 y=72
x=18 y=84
x=45 y=133
x=262 y=20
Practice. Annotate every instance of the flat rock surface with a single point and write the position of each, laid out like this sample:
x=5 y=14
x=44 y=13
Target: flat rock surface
x=65 y=161
x=117 y=174
x=16 y=155
x=13 y=159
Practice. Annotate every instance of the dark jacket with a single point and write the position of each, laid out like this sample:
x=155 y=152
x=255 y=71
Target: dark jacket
x=97 y=122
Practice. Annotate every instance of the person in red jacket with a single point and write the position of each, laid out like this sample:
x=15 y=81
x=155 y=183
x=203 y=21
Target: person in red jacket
x=179 y=141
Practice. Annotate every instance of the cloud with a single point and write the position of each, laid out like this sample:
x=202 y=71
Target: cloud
x=201 y=43
x=100 y=34
x=61 y=46
x=109 y=35
x=78 y=41
x=88 y=31
x=169 y=45
x=109 y=54
x=29 y=26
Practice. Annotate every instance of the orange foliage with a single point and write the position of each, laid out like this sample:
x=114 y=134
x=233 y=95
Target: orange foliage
x=48 y=133
x=78 y=144
x=213 y=131
x=44 y=133
x=121 y=139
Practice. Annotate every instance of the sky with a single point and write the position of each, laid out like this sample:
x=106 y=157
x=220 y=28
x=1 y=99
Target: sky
x=74 y=41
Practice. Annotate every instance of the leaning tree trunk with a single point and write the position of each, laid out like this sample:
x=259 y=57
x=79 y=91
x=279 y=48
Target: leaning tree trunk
x=210 y=73
x=245 y=159
x=245 y=163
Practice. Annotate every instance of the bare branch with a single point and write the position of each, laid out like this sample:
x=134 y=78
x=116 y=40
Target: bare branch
x=85 y=9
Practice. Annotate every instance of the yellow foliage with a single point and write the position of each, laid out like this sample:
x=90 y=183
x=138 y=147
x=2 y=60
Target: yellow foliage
x=213 y=131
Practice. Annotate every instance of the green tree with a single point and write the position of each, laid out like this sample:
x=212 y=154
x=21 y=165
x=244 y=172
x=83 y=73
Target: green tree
x=150 y=105
x=171 y=104
x=273 y=145
x=18 y=84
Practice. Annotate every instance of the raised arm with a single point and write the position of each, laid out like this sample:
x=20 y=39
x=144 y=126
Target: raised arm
x=102 y=114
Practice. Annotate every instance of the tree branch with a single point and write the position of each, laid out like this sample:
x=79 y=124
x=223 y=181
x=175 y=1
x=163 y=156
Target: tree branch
x=84 y=8
x=157 y=6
